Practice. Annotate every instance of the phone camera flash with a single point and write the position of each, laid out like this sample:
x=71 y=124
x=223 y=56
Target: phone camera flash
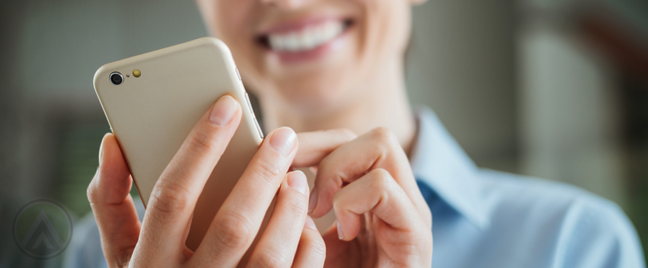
x=137 y=73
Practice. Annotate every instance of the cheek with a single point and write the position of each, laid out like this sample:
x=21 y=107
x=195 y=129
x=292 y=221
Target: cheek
x=386 y=29
x=233 y=23
x=382 y=31
x=232 y=16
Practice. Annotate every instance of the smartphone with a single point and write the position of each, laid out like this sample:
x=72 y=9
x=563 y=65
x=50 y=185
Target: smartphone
x=153 y=100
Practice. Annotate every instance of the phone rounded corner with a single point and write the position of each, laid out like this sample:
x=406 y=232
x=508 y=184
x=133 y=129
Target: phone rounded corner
x=217 y=43
x=223 y=49
x=97 y=75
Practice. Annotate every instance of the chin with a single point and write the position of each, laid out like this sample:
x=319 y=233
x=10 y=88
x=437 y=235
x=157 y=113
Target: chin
x=314 y=96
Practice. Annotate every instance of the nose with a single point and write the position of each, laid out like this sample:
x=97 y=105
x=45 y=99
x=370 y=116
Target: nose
x=286 y=4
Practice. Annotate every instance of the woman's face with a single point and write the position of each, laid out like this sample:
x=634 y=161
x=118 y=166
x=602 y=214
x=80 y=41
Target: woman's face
x=310 y=55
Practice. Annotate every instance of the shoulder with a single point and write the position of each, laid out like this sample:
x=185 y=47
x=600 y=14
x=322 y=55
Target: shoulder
x=582 y=229
x=509 y=191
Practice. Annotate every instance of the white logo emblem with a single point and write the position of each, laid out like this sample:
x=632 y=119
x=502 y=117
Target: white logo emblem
x=42 y=229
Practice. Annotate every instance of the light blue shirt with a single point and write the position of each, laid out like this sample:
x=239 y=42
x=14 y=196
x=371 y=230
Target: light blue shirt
x=484 y=218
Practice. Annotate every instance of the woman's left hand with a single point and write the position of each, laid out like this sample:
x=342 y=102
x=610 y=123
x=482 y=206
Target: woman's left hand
x=382 y=218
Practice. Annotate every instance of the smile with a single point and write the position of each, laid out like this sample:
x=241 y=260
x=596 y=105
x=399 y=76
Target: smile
x=303 y=38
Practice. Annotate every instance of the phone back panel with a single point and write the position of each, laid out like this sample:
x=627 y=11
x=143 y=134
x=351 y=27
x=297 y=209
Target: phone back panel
x=151 y=116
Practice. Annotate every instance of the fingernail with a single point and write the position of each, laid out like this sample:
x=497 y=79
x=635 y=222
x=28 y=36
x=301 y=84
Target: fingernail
x=223 y=111
x=339 y=229
x=312 y=200
x=310 y=223
x=297 y=181
x=283 y=140
x=101 y=148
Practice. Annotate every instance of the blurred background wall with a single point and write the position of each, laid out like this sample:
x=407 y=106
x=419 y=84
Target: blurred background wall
x=554 y=89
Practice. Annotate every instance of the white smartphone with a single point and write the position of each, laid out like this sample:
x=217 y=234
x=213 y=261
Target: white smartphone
x=153 y=100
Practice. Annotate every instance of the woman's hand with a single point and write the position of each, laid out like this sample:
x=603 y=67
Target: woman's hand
x=289 y=240
x=382 y=218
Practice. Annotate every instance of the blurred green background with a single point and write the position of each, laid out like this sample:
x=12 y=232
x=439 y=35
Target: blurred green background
x=554 y=89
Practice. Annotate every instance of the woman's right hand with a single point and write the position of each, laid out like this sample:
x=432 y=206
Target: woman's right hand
x=289 y=240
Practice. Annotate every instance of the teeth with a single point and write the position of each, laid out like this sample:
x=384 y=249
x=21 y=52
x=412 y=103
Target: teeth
x=307 y=38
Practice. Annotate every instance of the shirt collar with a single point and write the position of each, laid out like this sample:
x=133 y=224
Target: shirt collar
x=438 y=161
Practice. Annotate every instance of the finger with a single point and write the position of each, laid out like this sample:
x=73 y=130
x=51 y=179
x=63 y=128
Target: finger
x=311 y=251
x=314 y=146
x=278 y=243
x=239 y=218
x=174 y=196
x=376 y=192
x=375 y=149
x=340 y=253
x=112 y=205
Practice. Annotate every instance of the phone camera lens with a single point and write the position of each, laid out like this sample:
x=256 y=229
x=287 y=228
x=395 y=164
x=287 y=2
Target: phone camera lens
x=116 y=78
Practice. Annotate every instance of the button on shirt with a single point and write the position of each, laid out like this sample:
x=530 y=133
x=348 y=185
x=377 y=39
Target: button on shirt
x=484 y=218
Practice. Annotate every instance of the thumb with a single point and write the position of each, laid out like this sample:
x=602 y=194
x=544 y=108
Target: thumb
x=112 y=204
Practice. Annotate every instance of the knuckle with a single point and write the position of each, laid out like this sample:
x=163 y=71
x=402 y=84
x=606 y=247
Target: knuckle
x=337 y=203
x=313 y=244
x=317 y=248
x=168 y=201
x=340 y=201
x=233 y=230
x=346 y=133
x=268 y=258
x=382 y=134
x=268 y=169
x=410 y=246
x=413 y=238
x=201 y=141
x=380 y=179
x=296 y=205
x=92 y=192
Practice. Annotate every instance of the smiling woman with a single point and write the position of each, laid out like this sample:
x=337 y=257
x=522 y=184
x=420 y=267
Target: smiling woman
x=333 y=72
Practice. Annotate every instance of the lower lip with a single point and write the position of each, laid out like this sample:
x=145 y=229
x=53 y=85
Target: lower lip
x=315 y=53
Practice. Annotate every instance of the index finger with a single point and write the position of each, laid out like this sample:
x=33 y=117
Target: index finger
x=314 y=146
x=377 y=148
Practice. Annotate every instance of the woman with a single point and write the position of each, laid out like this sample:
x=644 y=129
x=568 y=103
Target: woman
x=330 y=70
